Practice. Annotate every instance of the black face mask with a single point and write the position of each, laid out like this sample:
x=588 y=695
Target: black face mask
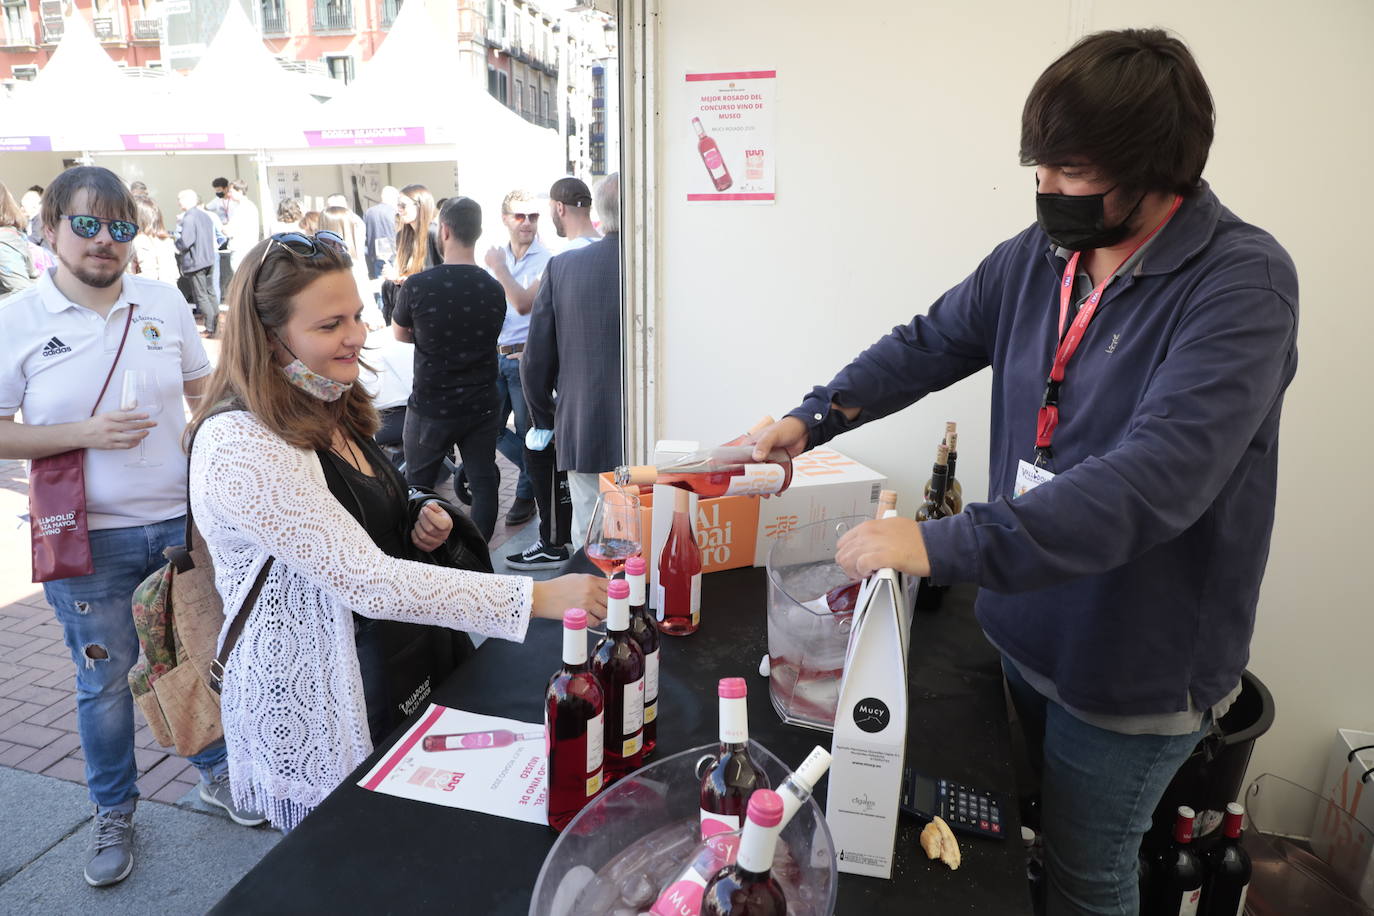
x=1078 y=222
x=219 y=193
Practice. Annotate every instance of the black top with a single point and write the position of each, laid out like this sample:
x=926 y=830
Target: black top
x=377 y=502
x=456 y=312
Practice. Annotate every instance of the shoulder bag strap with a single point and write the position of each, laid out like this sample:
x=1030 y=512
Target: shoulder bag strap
x=231 y=638
x=128 y=320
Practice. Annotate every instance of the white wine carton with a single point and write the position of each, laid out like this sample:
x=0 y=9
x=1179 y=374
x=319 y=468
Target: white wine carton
x=825 y=484
x=869 y=742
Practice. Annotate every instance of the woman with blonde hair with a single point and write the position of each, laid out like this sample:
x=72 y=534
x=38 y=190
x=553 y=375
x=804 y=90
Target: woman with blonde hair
x=282 y=428
x=17 y=270
x=155 y=254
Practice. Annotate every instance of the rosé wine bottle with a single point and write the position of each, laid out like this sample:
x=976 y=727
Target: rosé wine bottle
x=710 y=154
x=732 y=775
x=726 y=470
x=679 y=573
x=474 y=741
x=618 y=662
x=646 y=634
x=747 y=888
x=574 y=708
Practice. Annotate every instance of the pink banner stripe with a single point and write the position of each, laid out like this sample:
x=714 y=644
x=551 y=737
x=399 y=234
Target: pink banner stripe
x=404 y=748
x=738 y=75
x=731 y=196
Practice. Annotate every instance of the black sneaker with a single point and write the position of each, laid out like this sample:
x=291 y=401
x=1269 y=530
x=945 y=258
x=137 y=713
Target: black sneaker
x=521 y=511
x=537 y=556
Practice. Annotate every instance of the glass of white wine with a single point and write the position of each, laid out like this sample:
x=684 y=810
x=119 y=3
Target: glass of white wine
x=140 y=392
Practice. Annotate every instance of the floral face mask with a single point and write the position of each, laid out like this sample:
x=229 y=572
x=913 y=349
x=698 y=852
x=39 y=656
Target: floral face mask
x=310 y=381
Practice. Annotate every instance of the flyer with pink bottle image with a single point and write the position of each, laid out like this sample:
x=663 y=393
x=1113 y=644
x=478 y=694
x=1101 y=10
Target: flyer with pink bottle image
x=464 y=760
x=732 y=136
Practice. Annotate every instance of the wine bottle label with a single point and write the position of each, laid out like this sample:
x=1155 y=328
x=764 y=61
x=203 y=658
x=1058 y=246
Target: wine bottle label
x=696 y=600
x=596 y=743
x=594 y=783
x=632 y=718
x=713 y=160
x=1240 y=907
x=650 y=680
x=713 y=823
x=757 y=480
x=631 y=745
x=1187 y=906
x=650 y=712
x=659 y=603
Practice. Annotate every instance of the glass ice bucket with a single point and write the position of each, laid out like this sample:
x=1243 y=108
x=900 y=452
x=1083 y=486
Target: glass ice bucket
x=807 y=643
x=625 y=847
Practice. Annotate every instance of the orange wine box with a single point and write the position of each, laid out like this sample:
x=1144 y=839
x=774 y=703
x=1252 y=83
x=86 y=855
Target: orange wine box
x=735 y=531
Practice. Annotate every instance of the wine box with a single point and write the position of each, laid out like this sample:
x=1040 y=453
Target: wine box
x=735 y=531
x=869 y=742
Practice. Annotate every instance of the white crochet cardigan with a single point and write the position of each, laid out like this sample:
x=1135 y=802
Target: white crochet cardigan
x=294 y=717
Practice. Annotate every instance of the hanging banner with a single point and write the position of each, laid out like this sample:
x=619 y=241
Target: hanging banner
x=732 y=133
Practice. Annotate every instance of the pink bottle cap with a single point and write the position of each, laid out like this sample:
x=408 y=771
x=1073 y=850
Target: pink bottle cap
x=635 y=566
x=733 y=688
x=574 y=618
x=765 y=808
x=618 y=588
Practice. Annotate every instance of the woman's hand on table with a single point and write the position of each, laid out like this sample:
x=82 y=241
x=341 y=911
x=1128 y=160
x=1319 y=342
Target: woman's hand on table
x=431 y=528
x=554 y=596
x=889 y=543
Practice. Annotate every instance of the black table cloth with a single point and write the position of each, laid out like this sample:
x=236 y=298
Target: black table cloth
x=367 y=852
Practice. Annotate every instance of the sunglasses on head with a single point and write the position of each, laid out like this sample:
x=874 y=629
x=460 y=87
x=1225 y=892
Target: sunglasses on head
x=303 y=246
x=521 y=217
x=88 y=227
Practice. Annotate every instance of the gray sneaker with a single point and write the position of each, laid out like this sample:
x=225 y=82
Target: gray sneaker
x=112 y=848
x=216 y=792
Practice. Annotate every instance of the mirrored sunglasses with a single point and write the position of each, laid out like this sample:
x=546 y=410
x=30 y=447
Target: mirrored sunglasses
x=521 y=217
x=88 y=227
x=308 y=246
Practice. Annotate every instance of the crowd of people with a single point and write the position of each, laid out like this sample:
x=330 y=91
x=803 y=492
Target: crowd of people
x=290 y=488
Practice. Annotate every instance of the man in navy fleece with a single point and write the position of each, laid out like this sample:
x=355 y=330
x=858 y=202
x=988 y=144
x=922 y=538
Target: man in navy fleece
x=1141 y=337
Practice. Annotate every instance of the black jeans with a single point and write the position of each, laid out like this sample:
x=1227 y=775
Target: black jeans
x=203 y=295
x=551 y=495
x=428 y=441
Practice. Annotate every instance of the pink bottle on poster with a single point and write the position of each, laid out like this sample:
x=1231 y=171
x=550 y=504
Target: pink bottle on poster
x=710 y=154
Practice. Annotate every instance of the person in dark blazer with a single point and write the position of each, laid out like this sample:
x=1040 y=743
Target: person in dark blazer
x=197 y=253
x=574 y=349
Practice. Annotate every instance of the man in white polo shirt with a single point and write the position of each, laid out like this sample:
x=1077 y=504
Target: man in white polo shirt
x=58 y=340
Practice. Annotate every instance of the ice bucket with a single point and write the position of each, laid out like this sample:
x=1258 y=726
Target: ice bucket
x=634 y=838
x=806 y=644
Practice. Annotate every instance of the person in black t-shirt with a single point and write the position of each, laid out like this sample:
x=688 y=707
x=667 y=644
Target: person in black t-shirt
x=453 y=314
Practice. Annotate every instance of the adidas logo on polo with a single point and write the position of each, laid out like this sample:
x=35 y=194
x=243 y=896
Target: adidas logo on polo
x=54 y=347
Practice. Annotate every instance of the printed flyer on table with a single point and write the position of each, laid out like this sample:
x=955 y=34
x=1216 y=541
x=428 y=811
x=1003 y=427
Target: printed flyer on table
x=464 y=760
x=732 y=136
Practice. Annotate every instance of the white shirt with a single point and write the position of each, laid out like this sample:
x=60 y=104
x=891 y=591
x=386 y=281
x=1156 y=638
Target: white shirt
x=54 y=355
x=244 y=228
x=516 y=328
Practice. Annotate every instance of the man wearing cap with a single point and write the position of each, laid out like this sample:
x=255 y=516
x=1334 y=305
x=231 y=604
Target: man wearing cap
x=517 y=266
x=574 y=349
x=570 y=207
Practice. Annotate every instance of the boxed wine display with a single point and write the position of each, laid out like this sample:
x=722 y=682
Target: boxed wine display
x=735 y=531
x=870 y=732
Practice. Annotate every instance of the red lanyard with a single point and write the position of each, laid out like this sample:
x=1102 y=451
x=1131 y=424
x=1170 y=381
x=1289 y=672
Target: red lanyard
x=1049 y=405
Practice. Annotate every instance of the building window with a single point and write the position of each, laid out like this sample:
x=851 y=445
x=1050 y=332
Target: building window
x=333 y=15
x=390 y=10
x=274 y=17
x=519 y=95
x=498 y=84
x=340 y=67
x=548 y=116
x=24 y=71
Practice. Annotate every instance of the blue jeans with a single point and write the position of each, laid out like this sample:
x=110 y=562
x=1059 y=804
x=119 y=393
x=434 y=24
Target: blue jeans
x=98 y=626
x=1099 y=791
x=512 y=445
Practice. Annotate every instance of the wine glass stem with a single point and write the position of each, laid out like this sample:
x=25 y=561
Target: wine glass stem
x=142 y=457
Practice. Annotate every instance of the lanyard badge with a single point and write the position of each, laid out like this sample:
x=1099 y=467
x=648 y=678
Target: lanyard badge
x=1048 y=418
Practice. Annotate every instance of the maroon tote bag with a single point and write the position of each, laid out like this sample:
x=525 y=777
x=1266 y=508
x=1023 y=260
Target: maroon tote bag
x=57 y=503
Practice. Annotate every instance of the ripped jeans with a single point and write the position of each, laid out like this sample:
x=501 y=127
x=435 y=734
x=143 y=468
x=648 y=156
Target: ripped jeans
x=98 y=626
